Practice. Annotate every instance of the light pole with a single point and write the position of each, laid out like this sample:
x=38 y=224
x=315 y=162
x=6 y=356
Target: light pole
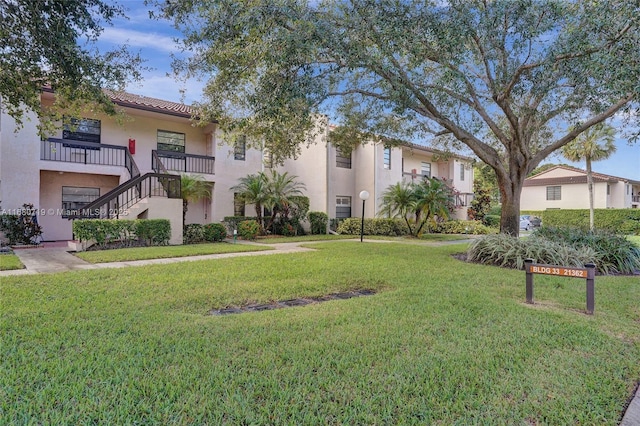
x=364 y=196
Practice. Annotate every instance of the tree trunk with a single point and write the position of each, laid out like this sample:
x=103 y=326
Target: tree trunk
x=590 y=186
x=185 y=207
x=510 y=191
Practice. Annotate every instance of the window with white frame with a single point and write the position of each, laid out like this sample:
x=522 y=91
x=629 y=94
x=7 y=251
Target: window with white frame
x=554 y=193
x=171 y=141
x=343 y=159
x=240 y=149
x=387 y=158
x=425 y=169
x=343 y=207
x=461 y=171
x=74 y=198
x=81 y=129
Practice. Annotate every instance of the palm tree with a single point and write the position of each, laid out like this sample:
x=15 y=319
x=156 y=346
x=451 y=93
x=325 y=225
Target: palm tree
x=252 y=189
x=281 y=192
x=433 y=198
x=399 y=201
x=193 y=188
x=586 y=146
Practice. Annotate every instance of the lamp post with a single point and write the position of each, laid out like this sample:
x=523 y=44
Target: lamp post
x=364 y=196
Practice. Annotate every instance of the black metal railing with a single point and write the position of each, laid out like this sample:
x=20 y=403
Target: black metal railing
x=463 y=199
x=88 y=153
x=635 y=199
x=116 y=203
x=181 y=162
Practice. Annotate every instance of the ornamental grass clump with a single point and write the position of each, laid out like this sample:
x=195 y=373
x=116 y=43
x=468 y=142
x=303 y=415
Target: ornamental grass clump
x=511 y=252
x=614 y=254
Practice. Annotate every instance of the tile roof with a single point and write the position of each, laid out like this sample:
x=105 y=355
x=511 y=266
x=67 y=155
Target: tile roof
x=150 y=104
x=536 y=180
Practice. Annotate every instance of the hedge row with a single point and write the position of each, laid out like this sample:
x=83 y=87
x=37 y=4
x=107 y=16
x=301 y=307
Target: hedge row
x=196 y=233
x=122 y=231
x=377 y=226
x=622 y=221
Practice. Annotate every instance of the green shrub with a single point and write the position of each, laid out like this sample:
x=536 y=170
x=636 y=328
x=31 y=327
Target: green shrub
x=630 y=227
x=495 y=211
x=21 y=228
x=318 y=221
x=123 y=232
x=231 y=222
x=507 y=251
x=105 y=232
x=193 y=233
x=248 y=229
x=614 y=254
x=153 y=232
x=214 y=232
x=375 y=226
x=491 y=220
x=474 y=227
x=614 y=220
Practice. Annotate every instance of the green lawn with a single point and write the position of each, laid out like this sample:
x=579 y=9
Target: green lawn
x=10 y=261
x=635 y=239
x=142 y=253
x=443 y=342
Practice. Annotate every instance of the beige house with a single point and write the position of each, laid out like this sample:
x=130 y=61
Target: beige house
x=129 y=170
x=563 y=187
x=335 y=179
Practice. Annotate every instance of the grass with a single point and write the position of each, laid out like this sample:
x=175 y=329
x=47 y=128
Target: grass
x=634 y=239
x=443 y=342
x=143 y=253
x=9 y=262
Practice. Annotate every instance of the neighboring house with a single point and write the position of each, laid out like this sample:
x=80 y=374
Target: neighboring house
x=335 y=179
x=563 y=187
x=121 y=169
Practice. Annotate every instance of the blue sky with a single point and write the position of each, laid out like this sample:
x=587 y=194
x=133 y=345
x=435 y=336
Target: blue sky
x=155 y=41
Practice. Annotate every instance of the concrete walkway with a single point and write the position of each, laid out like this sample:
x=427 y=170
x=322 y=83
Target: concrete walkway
x=58 y=259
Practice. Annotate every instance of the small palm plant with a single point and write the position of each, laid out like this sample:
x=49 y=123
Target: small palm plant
x=193 y=188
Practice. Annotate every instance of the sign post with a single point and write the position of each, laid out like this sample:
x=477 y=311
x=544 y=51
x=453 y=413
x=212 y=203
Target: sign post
x=588 y=272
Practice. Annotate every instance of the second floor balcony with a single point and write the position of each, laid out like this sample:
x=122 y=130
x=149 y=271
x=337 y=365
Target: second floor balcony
x=171 y=161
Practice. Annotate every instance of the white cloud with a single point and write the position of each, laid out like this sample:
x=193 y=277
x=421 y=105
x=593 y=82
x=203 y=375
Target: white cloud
x=134 y=38
x=160 y=86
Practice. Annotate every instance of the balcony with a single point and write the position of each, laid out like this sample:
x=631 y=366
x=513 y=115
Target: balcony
x=71 y=151
x=170 y=161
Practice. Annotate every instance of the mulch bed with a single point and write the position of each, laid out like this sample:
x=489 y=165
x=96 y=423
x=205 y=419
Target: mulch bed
x=292 y=302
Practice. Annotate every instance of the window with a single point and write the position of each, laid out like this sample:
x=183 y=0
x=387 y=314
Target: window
x=461 y=171
x=81 y=129
x=387 y=158
x=608 y=189
x=170 y=141
x=74 y=198
x=554 y=193
x=343 y=207
x=240 y=148
x=238 y=205
x=425 y=169
x=343 y=159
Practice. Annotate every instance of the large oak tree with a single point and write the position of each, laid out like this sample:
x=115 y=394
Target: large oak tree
x=53 y=43
x=513 y=80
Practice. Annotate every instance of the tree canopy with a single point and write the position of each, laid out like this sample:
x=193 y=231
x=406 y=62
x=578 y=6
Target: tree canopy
x=512 y=80
x=52 y=43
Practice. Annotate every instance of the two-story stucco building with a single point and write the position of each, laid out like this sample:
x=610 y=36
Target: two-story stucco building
x=94 y=158
x=334 y=179
x=563 y=187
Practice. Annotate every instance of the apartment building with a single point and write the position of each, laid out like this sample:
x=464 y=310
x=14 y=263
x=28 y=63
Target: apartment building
x=93 y=156
x=564 y=187
x=130 y=169
x=334 y=179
